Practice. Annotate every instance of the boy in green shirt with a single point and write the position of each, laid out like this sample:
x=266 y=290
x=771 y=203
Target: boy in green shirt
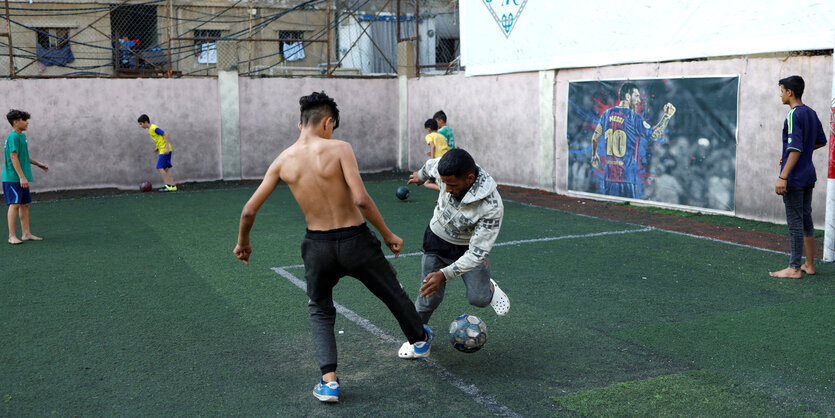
x=17 y=173
x=443 y=129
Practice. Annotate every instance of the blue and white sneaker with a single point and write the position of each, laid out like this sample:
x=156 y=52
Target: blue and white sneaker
x=327 y=392
x=419 y=349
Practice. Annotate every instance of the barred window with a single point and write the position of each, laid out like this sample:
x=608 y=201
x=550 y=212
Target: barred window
x=206 y=49
x=289 y=48
x=53 y=37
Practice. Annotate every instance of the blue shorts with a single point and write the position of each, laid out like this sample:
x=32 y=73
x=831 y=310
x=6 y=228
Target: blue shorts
x=629 y=190
x=16 y=195
x=164 y=161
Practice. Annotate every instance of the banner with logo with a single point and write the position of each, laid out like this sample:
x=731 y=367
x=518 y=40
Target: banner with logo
x=503 y=36
x=662 y=140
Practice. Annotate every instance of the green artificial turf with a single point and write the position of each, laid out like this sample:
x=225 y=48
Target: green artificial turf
x=134 y=305
x=693 y=393
x=726 y=220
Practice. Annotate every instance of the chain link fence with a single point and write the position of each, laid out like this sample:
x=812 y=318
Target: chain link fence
x=258 y=38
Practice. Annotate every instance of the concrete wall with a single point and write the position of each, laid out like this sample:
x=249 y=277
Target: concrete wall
x=234 y=22
x=86 y=129
x=92 y=47
x=494 y=118
x=269 y=112
x=760 y=123
x=514 y=125
x=91 y=43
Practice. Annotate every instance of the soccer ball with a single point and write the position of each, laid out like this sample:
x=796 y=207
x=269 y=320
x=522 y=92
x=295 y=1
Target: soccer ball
x=402 y=192
x=145 y=186
x=467 y=333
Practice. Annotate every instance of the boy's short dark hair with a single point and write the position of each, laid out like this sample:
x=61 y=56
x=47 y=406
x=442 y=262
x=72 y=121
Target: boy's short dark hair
x=143 y=118
x=457 y=162
x=316 y=107
x=15 y=114
x=431 y=124
x=794 y=83
x=440 y=115
x=625 y=89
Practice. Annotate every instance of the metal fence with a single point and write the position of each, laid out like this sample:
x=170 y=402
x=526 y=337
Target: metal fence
x=263 y=38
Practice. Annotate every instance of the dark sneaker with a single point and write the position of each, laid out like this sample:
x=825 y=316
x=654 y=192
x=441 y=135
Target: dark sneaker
x=419 y=349
x=327 y=392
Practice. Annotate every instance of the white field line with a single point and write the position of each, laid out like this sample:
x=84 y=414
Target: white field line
x=529 y=241
x=523 y=241
x=593 y=234
x=657 y=229
x=723 y=241
x=470 y=390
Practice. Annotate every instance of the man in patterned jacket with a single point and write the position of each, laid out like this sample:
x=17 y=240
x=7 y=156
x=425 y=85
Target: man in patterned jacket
x=459 y=237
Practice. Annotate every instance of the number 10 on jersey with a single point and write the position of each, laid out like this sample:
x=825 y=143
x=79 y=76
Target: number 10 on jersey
x=615 y=142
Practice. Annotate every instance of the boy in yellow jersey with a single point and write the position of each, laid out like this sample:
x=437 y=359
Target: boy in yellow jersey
x=438 y=146
x=163 y=147
x=437 y=142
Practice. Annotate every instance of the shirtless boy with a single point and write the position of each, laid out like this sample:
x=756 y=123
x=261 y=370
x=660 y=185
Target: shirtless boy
x=324 y=179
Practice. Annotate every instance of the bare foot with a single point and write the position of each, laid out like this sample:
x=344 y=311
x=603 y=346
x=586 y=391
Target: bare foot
x=31 y=237
x=786 y=273
x=14 y=241
x=810 y=270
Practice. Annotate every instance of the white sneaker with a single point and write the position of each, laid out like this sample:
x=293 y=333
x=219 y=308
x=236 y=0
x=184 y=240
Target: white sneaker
x=419 y=349
x=500 y=302
x=406 y=351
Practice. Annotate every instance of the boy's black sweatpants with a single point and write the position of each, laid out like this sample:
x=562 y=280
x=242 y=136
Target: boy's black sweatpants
x=353 y=251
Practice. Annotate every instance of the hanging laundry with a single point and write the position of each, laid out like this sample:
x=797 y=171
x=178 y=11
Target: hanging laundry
x=56 y=56
x=208 y=53
x=293 y=51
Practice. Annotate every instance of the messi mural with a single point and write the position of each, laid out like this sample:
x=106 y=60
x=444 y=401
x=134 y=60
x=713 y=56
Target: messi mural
x=662 y=140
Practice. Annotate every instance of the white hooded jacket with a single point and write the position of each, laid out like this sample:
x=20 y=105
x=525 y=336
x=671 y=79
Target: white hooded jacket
x=474 y=220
